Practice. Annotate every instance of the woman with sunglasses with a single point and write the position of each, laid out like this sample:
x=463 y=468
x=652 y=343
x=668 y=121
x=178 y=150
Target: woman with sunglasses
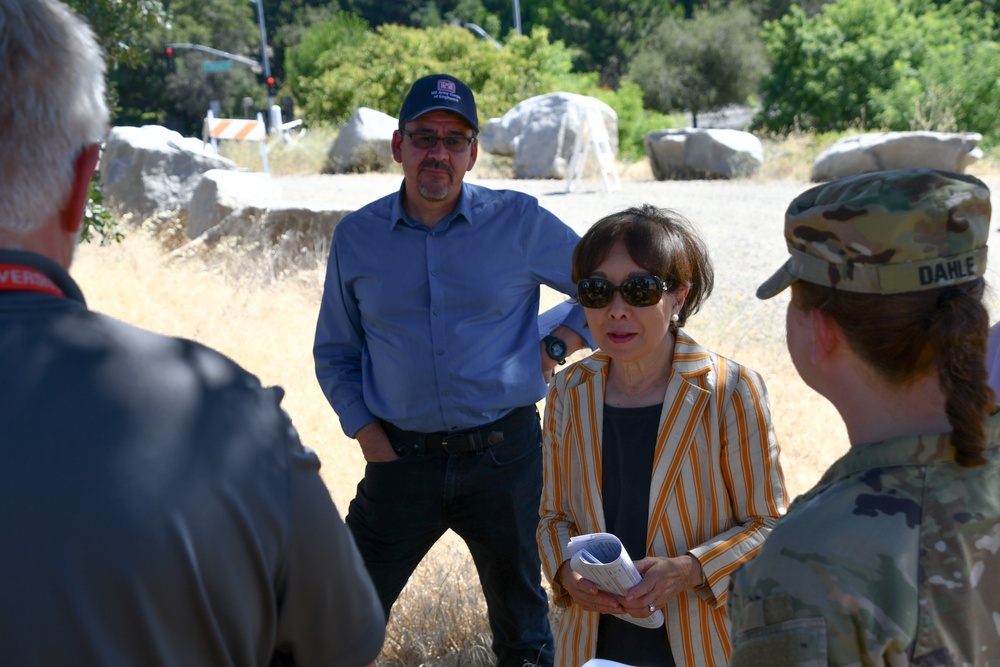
x=658 y=441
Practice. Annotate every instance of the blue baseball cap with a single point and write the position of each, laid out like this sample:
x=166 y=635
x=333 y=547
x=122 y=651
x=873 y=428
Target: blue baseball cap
x=440 y=92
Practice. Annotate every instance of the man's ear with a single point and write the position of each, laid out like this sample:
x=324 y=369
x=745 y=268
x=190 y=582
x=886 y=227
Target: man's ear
x=473 y=154
x=71 y=214
x=397 y=146
x=828 y=336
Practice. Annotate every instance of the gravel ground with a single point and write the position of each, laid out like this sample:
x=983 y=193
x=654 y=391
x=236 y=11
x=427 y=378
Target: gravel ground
x=741 y=221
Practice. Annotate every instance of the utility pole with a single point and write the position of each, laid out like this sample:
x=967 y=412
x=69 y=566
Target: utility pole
x=263 y=53
x=517 y=17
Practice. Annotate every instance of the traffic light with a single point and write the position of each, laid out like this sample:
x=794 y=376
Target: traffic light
x=169 y=53
x=272 y=88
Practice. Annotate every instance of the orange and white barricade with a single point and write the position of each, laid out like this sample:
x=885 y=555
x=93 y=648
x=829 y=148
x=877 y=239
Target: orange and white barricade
x=237 y=129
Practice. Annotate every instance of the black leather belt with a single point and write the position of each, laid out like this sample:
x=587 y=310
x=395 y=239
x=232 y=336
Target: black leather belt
x=463 y=442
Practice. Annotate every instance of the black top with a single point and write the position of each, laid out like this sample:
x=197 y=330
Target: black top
x=628 y=448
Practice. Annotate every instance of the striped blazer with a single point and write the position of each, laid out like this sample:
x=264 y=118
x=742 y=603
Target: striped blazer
x=717 y=490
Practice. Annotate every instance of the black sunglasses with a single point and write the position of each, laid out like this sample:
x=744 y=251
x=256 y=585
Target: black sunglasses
x=425 y=141
x=640 y=291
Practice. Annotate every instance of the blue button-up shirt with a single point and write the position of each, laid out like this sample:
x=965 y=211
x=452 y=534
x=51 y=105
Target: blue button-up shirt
x=436 y=329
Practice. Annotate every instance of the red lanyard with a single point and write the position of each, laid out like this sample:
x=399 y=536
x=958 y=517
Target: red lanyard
x=15 y=278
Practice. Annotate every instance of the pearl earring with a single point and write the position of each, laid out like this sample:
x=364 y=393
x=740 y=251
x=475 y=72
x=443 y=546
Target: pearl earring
x=675 y=317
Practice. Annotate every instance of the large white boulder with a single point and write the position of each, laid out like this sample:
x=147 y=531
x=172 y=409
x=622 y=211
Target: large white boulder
x=220 y=192
x=861 y=154
x=363 y=144
x=540 y=132
x=699 y=153
x=150 y=169
x=253 y=207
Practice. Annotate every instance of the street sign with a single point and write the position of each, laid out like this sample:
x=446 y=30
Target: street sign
x=217 y=65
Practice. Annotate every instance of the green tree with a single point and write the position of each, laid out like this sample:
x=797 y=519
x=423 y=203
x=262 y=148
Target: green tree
x=951 y=84
x=289 y=34
x=380 y=12
x=141 y=94
x=473 y=11
x=336 y=69
x=319 y=50
x=226 y=25
x=897 y=64
x=701 y=64
x=118 y=26
x=826 y=67
x=604 y=33
x=601 y=34
x=180 y=99
x=284 y=21
x=771 y=10
x=339 y=66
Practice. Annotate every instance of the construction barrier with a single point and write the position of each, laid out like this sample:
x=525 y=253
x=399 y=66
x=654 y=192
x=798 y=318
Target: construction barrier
x=237 y=129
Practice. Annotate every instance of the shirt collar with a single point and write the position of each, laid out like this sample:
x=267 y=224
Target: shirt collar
x=463 y=209
x=903 y=451
x=53 y=271
x=690 y=359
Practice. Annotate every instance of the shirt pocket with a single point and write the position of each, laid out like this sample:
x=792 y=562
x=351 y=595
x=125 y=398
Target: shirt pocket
x=797 y=642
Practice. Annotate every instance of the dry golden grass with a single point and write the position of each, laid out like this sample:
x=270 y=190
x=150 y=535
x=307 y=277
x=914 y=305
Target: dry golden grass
x=231 y=299
x=246 y=302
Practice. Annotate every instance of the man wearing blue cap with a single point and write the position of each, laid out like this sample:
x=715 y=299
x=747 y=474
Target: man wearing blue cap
x=427 y=347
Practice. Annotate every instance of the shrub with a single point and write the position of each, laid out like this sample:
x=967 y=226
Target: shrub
x=894 y=64
x=953 y=87
x=700 y=64
x=329 y=83
x=375 y=69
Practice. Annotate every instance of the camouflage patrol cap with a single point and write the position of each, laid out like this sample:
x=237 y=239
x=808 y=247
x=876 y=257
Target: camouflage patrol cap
x=886 y=232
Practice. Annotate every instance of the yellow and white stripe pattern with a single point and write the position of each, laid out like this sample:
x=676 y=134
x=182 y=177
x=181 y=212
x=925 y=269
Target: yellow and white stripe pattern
x=717 y=490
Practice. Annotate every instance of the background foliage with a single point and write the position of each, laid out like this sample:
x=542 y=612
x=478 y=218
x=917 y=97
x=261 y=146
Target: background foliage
x=118 y=26
x=713 y=60
x=814 y=65
x=338 y=67
x=892 y=64
x=179 y=100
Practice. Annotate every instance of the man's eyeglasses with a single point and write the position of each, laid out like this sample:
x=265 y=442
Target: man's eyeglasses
x=426 y=141
x=640 y=291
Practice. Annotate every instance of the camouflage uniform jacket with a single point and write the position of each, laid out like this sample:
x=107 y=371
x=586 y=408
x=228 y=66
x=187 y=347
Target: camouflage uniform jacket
x=893 y=558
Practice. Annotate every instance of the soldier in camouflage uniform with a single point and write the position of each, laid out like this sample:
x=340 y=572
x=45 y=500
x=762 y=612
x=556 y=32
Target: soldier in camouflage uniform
x=893 y=558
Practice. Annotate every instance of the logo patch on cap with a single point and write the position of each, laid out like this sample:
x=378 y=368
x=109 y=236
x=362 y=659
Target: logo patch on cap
x=440 y=92
x=446 y=91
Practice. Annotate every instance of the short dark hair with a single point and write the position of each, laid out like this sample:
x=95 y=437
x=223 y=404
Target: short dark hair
x=661 y=241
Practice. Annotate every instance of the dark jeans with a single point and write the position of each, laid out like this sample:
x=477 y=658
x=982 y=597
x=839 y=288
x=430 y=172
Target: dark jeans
x=490 y=499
